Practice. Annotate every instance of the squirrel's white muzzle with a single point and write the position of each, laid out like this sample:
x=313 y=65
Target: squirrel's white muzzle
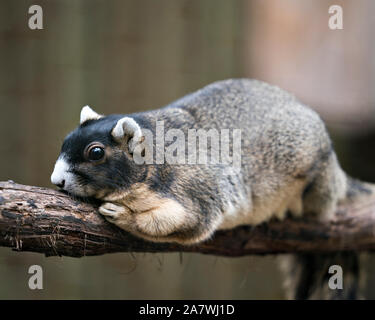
x=61 y=175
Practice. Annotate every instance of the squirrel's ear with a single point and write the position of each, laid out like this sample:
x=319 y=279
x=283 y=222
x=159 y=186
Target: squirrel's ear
x=88 y=114
x=127 y=127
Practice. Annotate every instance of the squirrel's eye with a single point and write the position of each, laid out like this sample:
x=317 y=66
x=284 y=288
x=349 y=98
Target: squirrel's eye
x=96 y=153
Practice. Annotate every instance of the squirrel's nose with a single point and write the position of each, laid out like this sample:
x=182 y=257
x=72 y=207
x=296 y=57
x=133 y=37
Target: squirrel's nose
x=58 y=181
x=60 y=184
x=60 y=173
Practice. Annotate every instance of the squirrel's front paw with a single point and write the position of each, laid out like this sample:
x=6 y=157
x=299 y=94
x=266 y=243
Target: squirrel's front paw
x=158 y=223
x=112 y=212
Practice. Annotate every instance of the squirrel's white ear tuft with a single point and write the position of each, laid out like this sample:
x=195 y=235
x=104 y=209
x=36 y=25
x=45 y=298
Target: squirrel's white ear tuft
x=88 y=114
x=127 y=126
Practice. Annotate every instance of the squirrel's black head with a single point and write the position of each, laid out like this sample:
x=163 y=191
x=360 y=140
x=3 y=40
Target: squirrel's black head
x=96 y=158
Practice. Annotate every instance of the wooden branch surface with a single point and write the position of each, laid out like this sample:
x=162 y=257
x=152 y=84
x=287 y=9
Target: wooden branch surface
x=50 y=222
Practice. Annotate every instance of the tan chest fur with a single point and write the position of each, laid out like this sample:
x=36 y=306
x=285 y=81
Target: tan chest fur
x=147 y=212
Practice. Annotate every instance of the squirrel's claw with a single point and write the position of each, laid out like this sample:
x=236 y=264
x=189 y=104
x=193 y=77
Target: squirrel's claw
x=110 y=210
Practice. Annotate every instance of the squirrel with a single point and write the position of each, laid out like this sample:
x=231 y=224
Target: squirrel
x=287 y=165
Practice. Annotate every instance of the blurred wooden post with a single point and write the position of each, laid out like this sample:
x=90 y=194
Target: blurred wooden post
x=290 y=44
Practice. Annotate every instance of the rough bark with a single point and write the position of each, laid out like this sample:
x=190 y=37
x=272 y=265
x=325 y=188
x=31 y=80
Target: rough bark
x=50 y=222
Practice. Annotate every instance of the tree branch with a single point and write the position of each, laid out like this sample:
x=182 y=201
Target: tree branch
x=48 y=221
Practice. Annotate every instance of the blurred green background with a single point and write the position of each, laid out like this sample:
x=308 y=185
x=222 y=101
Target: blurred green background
x=126 y=56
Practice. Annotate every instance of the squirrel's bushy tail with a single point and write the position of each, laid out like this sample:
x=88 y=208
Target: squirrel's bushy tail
x=307 y=274
x=357 y=189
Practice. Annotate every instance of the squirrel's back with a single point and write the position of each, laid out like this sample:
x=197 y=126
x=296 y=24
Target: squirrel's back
x=283 y=143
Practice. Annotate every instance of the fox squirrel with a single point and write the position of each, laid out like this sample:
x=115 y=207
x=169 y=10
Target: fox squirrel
x=287 y=163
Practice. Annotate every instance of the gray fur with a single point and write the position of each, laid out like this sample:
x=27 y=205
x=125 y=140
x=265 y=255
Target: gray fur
x=285 y=148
